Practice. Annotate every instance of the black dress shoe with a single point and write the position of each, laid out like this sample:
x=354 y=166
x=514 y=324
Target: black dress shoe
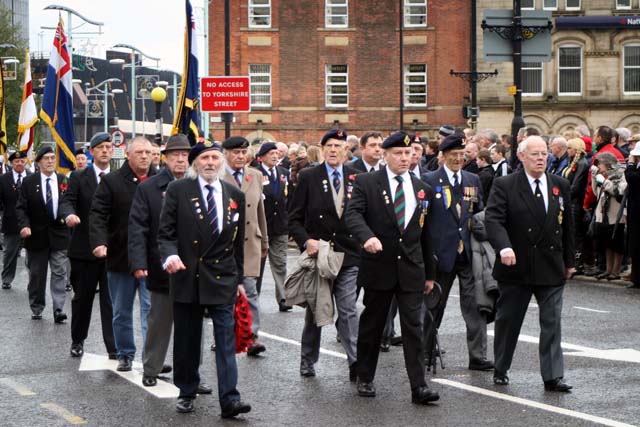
x=113 y=356
x=59 y=316
x=203 y=388
x=77 y=350
x=602 y=276
x=124 y=364
x=633 y=286
x=366 y=389
x=385 y=345
x=557 y=385
x=213 y=347
x=480 y=365
x=185 y=405
x=36 y=316
x=149 y=381
x=396 y=341
x=235 y=408
x=255 y=348
x=307 y=369
x=6 y=286
x=499 y=378
x=166 y=369
x=353 y=375
x=423 y=395
x=283 y=307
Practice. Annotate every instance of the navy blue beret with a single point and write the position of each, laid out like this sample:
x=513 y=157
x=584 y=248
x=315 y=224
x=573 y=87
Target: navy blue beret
x=452 y=142
x=201 y=147
x=339 y=134
x=266 y=147
x=99 y=138
x=397 y=139
x=18 y=155
x=446 y=130
x=45 y=149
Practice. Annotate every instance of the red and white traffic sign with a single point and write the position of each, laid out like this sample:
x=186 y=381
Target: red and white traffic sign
x=225 y=94
x=118 y=138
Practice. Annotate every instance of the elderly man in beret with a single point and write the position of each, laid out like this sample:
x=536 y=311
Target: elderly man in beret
x=81 y=158
x=201 y=243
x=388 y=216
x=256 y=240
x=87 y=271
x=45 y=235
x=316 y=214
x=457 y=198
x=10 y=184
x=275 y=187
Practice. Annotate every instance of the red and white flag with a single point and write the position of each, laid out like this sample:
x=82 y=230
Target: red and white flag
x=28 y=113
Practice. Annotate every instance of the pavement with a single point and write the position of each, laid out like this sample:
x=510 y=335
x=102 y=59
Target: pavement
x=41 y=385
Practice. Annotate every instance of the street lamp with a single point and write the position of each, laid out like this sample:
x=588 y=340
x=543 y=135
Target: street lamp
x=133 y=80
x=158 y=95
x=105 y=107
x=69 y=26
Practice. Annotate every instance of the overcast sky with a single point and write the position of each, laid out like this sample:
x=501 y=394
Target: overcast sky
x=154 y=27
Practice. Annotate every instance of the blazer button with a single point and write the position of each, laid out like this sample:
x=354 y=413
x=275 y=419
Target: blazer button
x=275 y=213
x=557 y=231
x=529 y=230
x=247 y=222
x=246 y=238
x=276 y=203
x=399 y=257
x=320 y=216
x=400 y=240
x=551 y=247
x=217 y=261
x=197 y=275
x=460 y=229
x=200 y=259
x=218 y=277
x=195 y=242
x=248 y=206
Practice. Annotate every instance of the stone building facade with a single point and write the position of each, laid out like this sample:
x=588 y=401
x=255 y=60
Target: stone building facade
x=593 y=77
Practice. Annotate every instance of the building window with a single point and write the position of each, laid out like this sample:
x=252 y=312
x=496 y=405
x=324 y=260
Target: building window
x=528 y=4
x=623 y=4
x=337 y=85
x=259 y=13
x=260 y=83
x=550 y=4
x=415 y=13
x=415 y=85
x=570 y=70
x=532 y=78
x=631 y=67
x=337 y=13
x=573 y=5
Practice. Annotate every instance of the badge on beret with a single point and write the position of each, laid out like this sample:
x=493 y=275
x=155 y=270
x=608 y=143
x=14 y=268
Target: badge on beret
x=407 y=140
x=208 y=144
x=340 y=133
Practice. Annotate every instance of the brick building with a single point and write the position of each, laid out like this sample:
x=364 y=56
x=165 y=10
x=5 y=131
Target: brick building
x=593 y=77
x=316 y=64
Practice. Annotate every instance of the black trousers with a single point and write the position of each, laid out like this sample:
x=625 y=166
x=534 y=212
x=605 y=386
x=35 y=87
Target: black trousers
x=85 y=278
x=372 y=323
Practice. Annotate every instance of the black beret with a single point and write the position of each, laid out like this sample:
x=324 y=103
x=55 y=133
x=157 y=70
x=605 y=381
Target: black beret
x=81 y=151
x=338 y=134
x=42 y=151
x=18 y=155
x=452 y=142
x=99 y=138
x=266 y=147
x=235 y=142
x=201 y=147
x=446 y=130
x=397 y=139
x=177 y=142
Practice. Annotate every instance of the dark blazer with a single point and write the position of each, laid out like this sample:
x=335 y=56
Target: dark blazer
x=359 y=165
x=544 y=247
x=448 y=227
x=471 y=166
x=275 y=205
x=214 y=267
x=77 y=201
x=144 y=220
x=8 y=200
x=486 y=176
x=109 y=218
x=32 y=212
x=312 y=213
x=406 y=258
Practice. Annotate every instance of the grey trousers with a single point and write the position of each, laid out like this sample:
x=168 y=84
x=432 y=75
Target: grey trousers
x=159 y=325
x=11 y=250
x=511 y=309
x=253 y=298
x=278 y=246
x=344 y=294
x=37 y=261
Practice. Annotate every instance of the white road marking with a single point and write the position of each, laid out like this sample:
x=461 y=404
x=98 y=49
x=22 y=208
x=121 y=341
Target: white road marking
x=95 y=362
x=532 y=404
x=590 y=309
x=63 y=413
x=20 y=389
x=482 y=391
x=619 y=354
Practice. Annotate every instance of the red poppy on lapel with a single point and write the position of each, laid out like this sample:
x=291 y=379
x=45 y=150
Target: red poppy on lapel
x=555 y=191
x=64 y=185
x=421 y=195
x=233 y=204
x=249 y=178
x=352 y=177
x=283 y=178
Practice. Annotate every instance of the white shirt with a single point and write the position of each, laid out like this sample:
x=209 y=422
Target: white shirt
x=268 y=170
x=217 y=196
x=543 y=188
x=416 y=171
x=450 y=175
x=22 y=176
x=98 y=171
x=368 y=166
x=53 y=183
x=410 y=202
x=232 y=172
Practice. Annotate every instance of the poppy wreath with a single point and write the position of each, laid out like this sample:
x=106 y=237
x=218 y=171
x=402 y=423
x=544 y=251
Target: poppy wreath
x=243 y=320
